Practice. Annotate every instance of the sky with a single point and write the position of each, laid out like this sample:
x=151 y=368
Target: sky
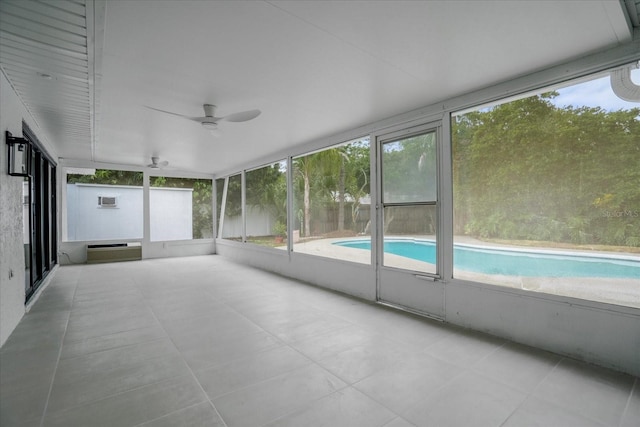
x=596 y=93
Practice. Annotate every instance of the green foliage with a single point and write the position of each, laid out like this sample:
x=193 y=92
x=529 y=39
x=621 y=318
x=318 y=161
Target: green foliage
x=410 y=169
x=219 y=194
x=531 y=170
x=266 y=188
x=279 y=229
x=108 y=177
x=233 y=205
x=326 y=180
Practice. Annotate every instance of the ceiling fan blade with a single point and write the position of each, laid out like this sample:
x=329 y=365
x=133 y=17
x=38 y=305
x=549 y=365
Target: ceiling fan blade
x=242 y=116
x=174 y=114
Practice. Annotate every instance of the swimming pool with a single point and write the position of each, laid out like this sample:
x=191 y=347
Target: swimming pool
x=512 y=262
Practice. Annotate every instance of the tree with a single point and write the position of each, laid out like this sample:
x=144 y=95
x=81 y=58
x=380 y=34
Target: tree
x=108 y=177
x=531 y=170
x=266 y=188
x=321 y=167
x=357 y=173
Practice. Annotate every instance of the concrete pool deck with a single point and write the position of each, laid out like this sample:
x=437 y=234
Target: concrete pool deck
x=607 y=290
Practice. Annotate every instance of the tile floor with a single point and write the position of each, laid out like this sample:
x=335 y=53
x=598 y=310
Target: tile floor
x=202 y=341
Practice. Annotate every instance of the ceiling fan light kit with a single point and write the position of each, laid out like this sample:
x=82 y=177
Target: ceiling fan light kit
x=210 y=125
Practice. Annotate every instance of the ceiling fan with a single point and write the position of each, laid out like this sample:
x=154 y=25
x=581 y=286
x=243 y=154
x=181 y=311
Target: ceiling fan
x=156 y=163
x=210 y=121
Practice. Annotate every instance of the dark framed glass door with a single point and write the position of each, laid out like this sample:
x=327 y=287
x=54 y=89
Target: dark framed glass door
x=39 y=200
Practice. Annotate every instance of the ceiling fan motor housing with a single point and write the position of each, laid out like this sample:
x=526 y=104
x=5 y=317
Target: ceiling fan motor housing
x=209 y=110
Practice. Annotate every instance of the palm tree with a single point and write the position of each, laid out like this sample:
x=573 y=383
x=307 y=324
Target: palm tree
x=318 y=165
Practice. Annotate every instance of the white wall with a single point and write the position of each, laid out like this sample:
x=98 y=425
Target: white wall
x=598 y=333
x=87 y=221
x=12 y=263
x=259 y=223
x=170 y=213
x=12 y=275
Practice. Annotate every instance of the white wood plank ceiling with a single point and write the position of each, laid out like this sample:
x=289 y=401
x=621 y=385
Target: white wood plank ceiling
x=46 y=54
x=314 y=68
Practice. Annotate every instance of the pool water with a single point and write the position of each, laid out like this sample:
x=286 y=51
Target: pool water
x=511 y=262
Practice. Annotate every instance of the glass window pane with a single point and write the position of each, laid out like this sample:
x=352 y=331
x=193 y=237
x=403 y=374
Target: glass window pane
x=410 y=237
x=266 y=205
x=180 y=208
x=409 y=169
x=332 y=202
x=104 y=205
x=232 y=227
x=546 y=194
x=219 y=194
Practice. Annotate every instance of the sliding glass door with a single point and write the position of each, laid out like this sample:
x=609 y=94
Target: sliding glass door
x=39 y=201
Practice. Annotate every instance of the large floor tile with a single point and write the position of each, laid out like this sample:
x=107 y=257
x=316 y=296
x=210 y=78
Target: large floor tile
x=331 y=343
x=112 y=341
x=344 y=408
x=208 y=355
x=408 y=381
x=271 y=399
x=467 y=400
x=53 y=303
x=79 y=368
x=23 y=407
x=37 y=329
x=518 y=366
x=593 y=392
x=79 y=331
x=34 y=341
x=363 y=360
x=406 y=328
x=110 y=292
x=184 y=305
x=464 y=348
x=538 y=413
x=298 y=329
x=250 y=370
x=632 y=411
x=132 y=407
x=100 y=384
x=94 y=319
x=218 y=324
x=399 y=422
x=27 y=369
x=200 y=415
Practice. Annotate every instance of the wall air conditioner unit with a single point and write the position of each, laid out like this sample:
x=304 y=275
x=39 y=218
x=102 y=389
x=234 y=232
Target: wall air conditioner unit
x=114 y=252
x=107 y=201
